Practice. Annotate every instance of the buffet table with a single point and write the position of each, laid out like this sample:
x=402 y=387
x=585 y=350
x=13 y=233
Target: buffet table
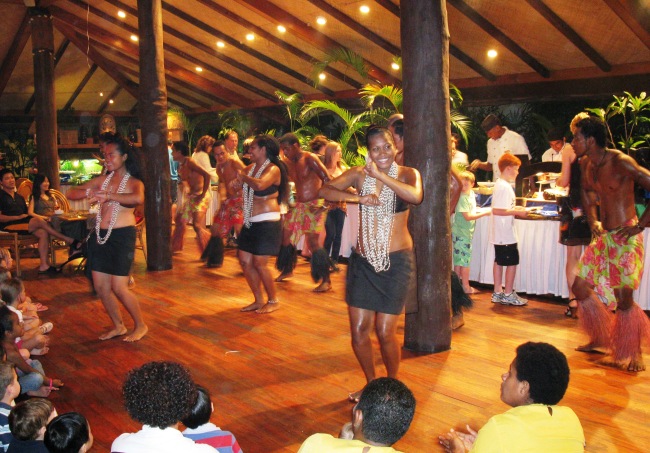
x=542 y=259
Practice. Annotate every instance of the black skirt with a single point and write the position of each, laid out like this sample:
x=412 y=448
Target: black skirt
x=261 y=239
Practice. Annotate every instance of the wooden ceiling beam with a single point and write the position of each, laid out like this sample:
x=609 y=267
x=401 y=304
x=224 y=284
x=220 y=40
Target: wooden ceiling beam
x=243 y=47
x=497 y=34
x=564 y=28
x=390 y=6
x=113 y=94
x=278 y=15
x=635 y=15
x=183 y=37
x=277 y=41
x=96 y=33
x=57 y=57
x=80 y=87
x=15 y=50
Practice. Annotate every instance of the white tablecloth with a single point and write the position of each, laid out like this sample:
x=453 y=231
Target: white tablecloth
x=542 y=259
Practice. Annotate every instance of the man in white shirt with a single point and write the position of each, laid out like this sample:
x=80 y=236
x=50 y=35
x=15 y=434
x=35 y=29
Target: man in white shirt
x=501 y=140
x=557 y=141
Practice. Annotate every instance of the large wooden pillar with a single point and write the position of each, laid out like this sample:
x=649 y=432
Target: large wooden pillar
x=425 y=57
x=43 y=54
x=153 y=119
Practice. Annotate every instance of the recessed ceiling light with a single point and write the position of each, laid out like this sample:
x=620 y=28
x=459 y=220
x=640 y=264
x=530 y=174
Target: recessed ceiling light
x=395 y=66
x=492 y=53
x=134 y=38
x=320 y=20
x=364 y=9
x=282 y=29
x=250 y=37
x=101 y=94
x=220 y=44
x=199 y=69
x=121 y=14
x=110 y=101
x=322 y=76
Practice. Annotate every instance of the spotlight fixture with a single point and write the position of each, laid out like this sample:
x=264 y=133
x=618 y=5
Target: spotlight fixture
x=492 y=53
x=110 y=101
x=220 y=44
x=121 y=14
x=101 y=95
x=322 y=76
x=320 y=20
x=395 y=66
x=364 y=9
x=134 y=38
x=250 y=37
x=199 y=69
x=282 y=29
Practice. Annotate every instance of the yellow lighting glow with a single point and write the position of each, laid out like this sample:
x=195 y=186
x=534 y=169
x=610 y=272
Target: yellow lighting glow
x=282 y=29
x=134 y=38
x=364 y=9
x=322 y=76
x=101 y=94
x=395 y=66
x=199 y=69
x=321 y=20
x=220 y=44
x=250 y=37
x=110 y=101
x=75 y=163
x=121 y=14
x=492 y=53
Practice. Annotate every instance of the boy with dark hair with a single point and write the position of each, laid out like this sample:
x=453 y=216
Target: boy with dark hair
x=201 y=431
x=10 y=389
x=28 y=421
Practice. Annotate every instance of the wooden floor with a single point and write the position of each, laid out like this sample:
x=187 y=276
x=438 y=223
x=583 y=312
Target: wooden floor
x=279 y=378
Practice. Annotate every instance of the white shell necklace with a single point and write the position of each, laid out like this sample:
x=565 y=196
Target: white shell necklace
x=248 y=193
x=377 y=222
x=114 y=204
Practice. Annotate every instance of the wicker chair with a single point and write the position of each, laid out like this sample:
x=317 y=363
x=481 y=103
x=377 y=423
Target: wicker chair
x=24 y=189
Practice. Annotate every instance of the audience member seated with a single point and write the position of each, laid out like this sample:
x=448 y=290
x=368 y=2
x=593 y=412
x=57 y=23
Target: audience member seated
x=31 y=376
x=536 y=381
x=28 y=421
x=68 y=433
x=158 y=395
x=380 y=418
x=14 y=217
x=10 y=389
x=201 y=431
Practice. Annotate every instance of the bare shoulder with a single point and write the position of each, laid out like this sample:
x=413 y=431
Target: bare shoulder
x=407 y=174
x=134 y=184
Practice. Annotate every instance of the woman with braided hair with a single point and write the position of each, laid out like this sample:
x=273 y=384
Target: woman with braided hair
x=381 y=271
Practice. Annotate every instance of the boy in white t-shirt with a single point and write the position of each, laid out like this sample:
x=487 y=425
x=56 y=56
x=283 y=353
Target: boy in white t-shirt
x=502 y=231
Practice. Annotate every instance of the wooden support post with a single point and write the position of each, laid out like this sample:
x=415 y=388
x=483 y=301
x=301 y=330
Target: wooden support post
x=44 y=94
x=153 y=119
x=425 y=54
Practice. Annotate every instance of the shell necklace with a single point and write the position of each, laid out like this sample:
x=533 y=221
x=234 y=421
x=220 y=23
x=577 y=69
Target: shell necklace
x=114 y=205
x=377 y=222
x=248 y=193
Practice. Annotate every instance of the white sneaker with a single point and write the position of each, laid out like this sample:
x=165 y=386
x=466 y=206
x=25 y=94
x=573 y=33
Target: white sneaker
x=513 y=299
x=497 y=298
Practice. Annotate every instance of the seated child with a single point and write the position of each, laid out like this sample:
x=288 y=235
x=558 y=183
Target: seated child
x=5 y=259
x=68 y=433
x=31 y=376
x=201 y=431
x=28 y=421
x=9 y=389
x=462 y=230
x=12 y=292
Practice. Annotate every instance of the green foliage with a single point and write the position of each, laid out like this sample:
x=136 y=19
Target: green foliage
x=627 y=119
x=342 y=55
x=18 y=155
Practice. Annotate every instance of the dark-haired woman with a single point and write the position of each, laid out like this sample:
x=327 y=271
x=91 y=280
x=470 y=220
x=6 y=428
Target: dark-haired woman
x=112 y=244
x=265 y=185
x=381 y=271
x=533 y=385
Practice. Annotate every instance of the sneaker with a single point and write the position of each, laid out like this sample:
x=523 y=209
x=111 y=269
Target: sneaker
x=46 y=327
x=513 y=299
x=497 y=298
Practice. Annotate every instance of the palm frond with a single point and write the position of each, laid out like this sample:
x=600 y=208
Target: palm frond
x=395 y=95
x=342 y=55
x=314 y=108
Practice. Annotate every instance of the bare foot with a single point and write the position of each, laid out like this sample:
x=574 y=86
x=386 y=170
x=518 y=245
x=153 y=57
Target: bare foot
x=470 y=290
x=41 y=351
x=457 y=321
x=636 y=364
x=282 y=277
x=354 y=396
x=589 y=347
x=323 y=287
x=269 y=307
x=137 y=334
x=253 y=307
x=609 y=361
x=113 y=333
x=42 y=392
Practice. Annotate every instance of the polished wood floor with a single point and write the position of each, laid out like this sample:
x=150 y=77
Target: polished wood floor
x=278 y=378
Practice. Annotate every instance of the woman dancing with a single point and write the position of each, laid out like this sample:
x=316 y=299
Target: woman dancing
x=265 y=185
x=381 y=271
x=111 y=247
x=336 y=211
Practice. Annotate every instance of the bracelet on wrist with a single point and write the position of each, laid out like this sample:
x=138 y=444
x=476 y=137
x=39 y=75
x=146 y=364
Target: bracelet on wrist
x=87 y=193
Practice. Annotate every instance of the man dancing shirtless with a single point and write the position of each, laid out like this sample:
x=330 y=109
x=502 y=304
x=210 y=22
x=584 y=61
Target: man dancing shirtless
x=612 y=264
x=230 y=214
x=307 y=217
x=195 y=186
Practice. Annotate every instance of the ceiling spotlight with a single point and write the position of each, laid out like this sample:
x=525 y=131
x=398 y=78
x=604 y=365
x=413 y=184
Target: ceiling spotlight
x=492 y=53
x=199 y=69
x=110 y=101
x=364 y=9
x=220 y=44
x=395 y=66
x=121 y=14
x=322 y=76
x=134 y=38
x=282 y=29
x=320 y=20
x=101 y=94
x=250 y=37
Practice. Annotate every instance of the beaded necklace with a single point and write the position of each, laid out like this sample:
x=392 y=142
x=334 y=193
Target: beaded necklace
x=248 y=193
x=377 y=222
x=114 y=205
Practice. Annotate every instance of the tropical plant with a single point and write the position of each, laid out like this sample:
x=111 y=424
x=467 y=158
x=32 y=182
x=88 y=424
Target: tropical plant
x=297 y=123
x=342 y=55
x=18 y=155
x=627 y=119
x=190 y=125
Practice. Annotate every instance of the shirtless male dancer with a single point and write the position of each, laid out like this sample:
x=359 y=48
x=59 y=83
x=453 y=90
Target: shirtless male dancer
x=230 y=214
x=307 y=217
x=194 y=182
x=612 y=265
